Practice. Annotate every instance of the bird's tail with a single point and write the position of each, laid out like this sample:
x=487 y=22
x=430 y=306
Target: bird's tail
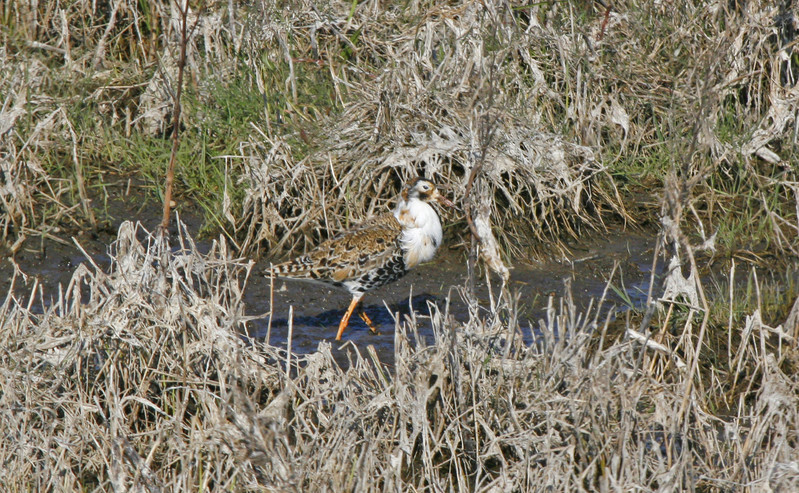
x=300 y=267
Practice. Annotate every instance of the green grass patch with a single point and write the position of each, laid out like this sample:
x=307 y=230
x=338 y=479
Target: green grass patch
x=217 y=117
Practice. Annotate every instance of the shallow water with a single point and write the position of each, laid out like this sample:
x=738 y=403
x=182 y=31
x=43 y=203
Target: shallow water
x=316 y=309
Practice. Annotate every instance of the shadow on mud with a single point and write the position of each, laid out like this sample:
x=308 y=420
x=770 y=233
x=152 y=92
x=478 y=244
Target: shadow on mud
x=312 y=311
x=316 y=309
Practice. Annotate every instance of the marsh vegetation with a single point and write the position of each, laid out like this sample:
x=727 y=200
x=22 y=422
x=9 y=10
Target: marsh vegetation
x=551 y=124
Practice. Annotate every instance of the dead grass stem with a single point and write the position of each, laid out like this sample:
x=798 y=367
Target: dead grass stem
x=136 y=378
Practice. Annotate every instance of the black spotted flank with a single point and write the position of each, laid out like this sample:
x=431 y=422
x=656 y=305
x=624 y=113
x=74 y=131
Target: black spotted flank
x=387 y=273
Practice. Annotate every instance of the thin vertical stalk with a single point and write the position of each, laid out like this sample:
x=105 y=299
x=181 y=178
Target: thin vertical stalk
x=183 y=9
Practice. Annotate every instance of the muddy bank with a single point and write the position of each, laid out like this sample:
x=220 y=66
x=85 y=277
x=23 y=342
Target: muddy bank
x=50 y=261
x=317 y=309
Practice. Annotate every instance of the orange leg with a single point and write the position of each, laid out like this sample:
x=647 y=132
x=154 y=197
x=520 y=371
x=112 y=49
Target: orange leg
x=368 y=321
x=345 y=320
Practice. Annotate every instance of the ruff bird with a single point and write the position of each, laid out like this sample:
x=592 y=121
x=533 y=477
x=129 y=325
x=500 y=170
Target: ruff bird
x=375 y=252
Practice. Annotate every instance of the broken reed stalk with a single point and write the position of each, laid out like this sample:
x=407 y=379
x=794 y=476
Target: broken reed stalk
x=681 y=200
x=271 y=303
x=486 y=130
x=485 y=136
x=183 y=9
x=84 y=197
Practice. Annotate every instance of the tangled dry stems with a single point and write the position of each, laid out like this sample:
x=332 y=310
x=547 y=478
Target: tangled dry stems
x=32 y=201
x=529 y=94
x=548 y=100
x=427 y=98
x=137 y=378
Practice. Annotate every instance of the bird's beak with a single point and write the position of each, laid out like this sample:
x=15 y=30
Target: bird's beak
x=443 y=200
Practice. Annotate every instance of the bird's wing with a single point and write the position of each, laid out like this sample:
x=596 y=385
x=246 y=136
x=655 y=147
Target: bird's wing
x=365 y=247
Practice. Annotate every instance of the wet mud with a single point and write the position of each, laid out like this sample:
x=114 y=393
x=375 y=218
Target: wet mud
x=48 y=262
x=312 y=311
x=316 y=309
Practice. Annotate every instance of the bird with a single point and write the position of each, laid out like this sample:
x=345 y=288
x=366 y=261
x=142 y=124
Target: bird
x=375 y=252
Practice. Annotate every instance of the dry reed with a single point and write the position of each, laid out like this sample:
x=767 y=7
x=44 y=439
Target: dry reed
x=566 y=93
x=136 y=378
x=551 y=85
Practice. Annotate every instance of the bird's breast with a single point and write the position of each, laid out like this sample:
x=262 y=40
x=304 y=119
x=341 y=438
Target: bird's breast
x=418 y=249
x=421 y=232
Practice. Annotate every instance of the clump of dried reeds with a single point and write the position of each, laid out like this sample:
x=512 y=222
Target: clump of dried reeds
x=32 y=201
x=137 y=378
x=554 y=103
x=429 y=97
x=542 y=99
x=52 y=130
x=102 y=384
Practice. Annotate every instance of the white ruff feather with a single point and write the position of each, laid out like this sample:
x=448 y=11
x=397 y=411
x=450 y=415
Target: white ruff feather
x=421 y=231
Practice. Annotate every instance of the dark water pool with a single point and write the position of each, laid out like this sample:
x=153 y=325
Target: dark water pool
x=316 y=309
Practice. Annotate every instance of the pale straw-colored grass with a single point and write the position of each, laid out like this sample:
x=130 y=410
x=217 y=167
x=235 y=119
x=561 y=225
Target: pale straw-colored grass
x=137 y=378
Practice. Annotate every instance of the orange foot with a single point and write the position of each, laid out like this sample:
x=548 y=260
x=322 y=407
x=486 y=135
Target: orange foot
x=345 y=320
x=368 y=321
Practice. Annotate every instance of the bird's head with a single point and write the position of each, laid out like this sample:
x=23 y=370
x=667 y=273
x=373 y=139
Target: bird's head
x=424 y=190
